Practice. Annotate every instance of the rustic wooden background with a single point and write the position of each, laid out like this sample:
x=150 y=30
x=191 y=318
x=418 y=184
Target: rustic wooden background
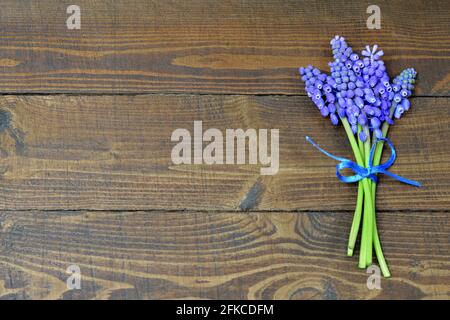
x=85 y=171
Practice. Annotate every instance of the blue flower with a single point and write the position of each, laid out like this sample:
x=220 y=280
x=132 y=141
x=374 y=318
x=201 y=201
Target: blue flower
x=403 y=84
x=358 y=88
x=372 y=53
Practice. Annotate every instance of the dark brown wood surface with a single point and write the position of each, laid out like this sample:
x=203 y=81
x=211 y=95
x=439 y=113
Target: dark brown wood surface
x=86 y=176
x=230 y=46
x=113 y=152
x=160 y=255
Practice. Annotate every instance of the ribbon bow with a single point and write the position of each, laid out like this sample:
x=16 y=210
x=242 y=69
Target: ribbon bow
x=371 y=171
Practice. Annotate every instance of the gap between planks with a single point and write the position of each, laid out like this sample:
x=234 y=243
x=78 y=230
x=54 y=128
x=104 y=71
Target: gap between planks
x=174 y=93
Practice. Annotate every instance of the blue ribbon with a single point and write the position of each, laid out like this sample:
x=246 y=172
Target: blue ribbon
x=369 y=172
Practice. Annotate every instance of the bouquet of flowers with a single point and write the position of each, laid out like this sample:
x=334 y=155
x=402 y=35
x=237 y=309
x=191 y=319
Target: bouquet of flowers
x=359 y=94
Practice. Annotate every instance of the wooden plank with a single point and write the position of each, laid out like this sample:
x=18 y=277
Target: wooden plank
x=230 y=46
x=113 y=152
x=161 y=255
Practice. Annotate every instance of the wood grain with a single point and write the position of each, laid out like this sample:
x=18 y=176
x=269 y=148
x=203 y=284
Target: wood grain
x=113 y=152
x=230 y=46
x=162 y=255
x=87 y=178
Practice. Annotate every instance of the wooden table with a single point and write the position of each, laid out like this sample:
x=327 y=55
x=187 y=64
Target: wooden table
x=86 y=176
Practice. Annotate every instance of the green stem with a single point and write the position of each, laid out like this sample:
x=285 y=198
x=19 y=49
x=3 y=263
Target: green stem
x=360 y=161
x=353 y=143
x=379 y=147
x=358 y=208
x=361 y=144
x=379 y=252
x=376 y=240
x=376 y=161
x=365 y=254
x=356 y=220
x=364 y=239
x=384 y=130
x=368 y=214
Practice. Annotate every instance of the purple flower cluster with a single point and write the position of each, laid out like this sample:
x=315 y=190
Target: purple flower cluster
x=358 y=89
x=403 y=85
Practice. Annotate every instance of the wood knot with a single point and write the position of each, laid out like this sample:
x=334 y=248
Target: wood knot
x=253 y=196
x=5 y=120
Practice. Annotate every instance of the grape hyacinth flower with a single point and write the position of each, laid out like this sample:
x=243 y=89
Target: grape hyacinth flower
x=359 y=94
x=403 y=86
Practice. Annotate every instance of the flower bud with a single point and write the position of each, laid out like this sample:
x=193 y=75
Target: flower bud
x=332 y=108
x=370 y=98
x=375 y=122
x=319 y=103
x=349 y=102
x=368 y=91
x=362 y=136
x=330 y=97
x=389 y=121
x=318 y=84
x=368 y=110
x=399 y=110
x=373 y=81
x=359 y=92
x=359 y=102
x=324 y=111
x=334 y=119
x=378 y=133
x=355 y=110
x=376 y=112
x=405 y=104
x=362 y=119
